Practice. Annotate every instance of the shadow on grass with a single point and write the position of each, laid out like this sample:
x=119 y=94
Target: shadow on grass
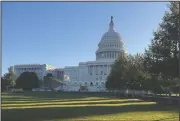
x=46 y=101
x=59 y=113
x=55 y=95
x=12 y=100
x=51 y=96
x=19 y=100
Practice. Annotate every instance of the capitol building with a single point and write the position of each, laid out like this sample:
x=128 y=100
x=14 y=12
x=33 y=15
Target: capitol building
x=91 y=74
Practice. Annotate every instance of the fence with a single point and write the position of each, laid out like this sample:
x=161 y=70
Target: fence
x=147 y=96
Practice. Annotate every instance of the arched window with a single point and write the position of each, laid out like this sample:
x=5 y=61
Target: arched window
x=96 y=83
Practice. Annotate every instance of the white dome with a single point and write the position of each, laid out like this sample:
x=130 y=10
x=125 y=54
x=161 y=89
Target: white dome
x=111 y=45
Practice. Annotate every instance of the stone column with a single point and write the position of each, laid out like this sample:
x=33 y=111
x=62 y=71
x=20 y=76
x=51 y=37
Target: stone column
x=106 y=69
x=88 y=69
x=94 y=69
x=97 y=69
x=102 y=69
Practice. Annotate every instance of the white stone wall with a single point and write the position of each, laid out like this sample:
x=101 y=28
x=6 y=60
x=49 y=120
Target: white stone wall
x=98 y=72
x=72 y=72
x=58 y=73
x=92 y=74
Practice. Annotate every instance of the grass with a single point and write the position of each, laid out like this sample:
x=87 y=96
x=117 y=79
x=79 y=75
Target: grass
x=50 y=106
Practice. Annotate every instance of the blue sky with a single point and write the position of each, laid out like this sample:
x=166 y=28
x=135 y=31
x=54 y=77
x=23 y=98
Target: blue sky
x=66 y=33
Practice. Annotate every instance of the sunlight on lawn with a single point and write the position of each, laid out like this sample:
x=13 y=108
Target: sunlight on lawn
x=72 y=105
x=62 y=107
x=143 y=116
x=69 y=102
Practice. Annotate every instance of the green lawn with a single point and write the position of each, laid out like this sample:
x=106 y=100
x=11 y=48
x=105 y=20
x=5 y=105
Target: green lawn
x=51 y=106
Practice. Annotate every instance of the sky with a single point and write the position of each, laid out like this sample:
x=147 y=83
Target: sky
x=66 y=33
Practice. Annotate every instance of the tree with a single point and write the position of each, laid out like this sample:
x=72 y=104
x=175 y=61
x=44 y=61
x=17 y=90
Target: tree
x=158 y=66
x=12 y=76
x=8 y=79
x=162 y=54
x=127 y=72
x=27 y=81
x=115 y=79
x=4 y=84
x=48 y=80
x=51 y=82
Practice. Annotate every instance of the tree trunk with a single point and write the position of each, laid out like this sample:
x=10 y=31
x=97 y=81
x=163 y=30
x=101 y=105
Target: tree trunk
x=132 y=93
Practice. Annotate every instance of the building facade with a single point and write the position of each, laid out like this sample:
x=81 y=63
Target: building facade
x=91 y=74
x=58 y=73
x=40 y=69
